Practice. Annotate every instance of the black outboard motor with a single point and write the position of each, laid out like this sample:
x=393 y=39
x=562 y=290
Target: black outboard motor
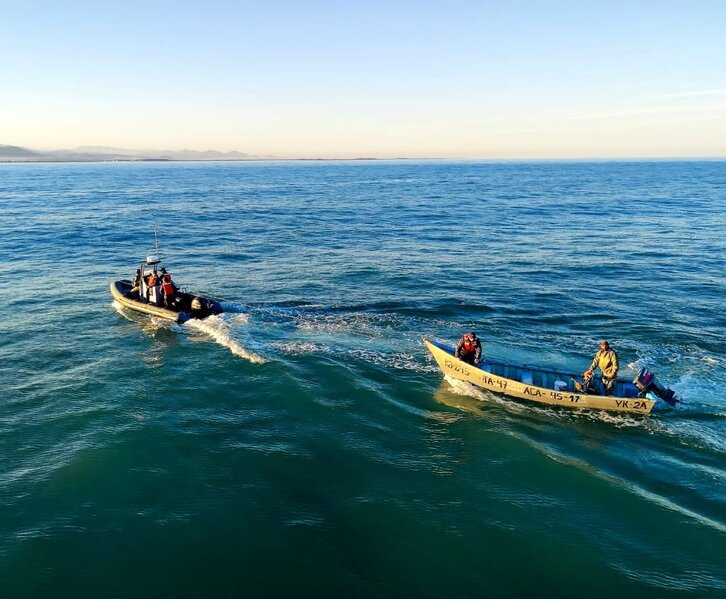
x=203 y=307
x=645 y=382
x=200 y=307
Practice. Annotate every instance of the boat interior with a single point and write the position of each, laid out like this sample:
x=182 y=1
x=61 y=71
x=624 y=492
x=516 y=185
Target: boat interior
x=549 y=378
x=182 y=300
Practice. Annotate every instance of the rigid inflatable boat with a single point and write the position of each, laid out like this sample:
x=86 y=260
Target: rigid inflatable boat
x=152 y=292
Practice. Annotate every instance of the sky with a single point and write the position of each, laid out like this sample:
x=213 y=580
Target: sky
x=337 y=79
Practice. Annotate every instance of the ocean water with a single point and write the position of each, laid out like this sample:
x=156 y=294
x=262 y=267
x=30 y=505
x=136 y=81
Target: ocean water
x=304 y=443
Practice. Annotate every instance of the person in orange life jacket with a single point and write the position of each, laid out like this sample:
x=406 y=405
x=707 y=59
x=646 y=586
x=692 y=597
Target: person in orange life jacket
x=151 y=282
x=167 y=287
x=469 y=349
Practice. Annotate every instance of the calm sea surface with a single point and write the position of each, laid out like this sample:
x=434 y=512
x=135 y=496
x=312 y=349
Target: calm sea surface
x=304 y=443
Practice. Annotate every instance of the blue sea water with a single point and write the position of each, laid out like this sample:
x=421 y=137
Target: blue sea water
x=304 y=443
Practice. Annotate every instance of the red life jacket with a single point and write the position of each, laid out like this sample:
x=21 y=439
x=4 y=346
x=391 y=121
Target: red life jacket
x=168 y=287
x=469 y=347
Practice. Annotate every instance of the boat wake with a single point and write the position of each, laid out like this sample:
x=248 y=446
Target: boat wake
x=121 y=310
x=381 y=340
x=487 y=397
x=391 y=340
x=218 y=329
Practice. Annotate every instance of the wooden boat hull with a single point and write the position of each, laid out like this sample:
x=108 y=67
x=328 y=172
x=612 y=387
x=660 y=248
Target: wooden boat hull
x=121 y=292
x=510 y=387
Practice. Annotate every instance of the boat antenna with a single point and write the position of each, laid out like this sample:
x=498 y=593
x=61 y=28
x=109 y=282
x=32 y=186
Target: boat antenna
x=156 y=241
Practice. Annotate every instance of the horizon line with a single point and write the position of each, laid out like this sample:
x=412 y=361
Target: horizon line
x=623 y=158
x=57 y=156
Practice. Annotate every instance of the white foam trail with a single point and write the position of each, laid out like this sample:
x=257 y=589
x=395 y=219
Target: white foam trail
x=464 y=388
x=121 y=310
x=299 y=347
x=623 y=483
x=240 y=318
x=215 y=327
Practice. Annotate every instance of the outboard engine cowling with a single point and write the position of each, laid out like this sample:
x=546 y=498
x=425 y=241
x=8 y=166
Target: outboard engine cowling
x=200 y=306
x=645 y=382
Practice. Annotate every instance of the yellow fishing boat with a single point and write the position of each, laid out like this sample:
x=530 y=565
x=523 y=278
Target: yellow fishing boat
x=550 y=386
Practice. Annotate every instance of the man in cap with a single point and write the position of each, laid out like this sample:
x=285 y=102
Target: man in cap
x=469 y=349
x=607 y=361
x=136 y=284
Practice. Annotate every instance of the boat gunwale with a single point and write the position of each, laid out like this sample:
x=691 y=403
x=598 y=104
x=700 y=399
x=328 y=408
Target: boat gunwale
x=139 y=306
x=570 y=373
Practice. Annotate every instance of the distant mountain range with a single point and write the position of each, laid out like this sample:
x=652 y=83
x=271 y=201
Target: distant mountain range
x=102 y=153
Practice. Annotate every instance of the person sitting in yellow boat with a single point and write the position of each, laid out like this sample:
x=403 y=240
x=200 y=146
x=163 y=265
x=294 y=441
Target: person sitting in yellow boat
x=469 y=349
x=607 y=361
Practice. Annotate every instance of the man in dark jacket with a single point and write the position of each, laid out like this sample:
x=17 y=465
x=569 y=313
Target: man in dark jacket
x=136 y=283
x=469 y=349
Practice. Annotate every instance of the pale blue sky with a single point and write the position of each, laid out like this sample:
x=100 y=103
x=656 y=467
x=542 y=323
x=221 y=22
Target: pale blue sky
x=328 y=79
